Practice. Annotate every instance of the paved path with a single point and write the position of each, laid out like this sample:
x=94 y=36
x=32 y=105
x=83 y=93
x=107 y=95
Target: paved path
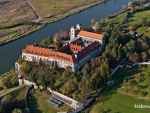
x=10 y=90
x=38 y=15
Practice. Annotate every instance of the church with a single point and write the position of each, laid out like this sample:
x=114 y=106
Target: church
x=82 y=47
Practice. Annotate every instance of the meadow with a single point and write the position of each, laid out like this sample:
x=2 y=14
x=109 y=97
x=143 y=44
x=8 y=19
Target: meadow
x=115 y=101
x=133 y=19
x=45 y=7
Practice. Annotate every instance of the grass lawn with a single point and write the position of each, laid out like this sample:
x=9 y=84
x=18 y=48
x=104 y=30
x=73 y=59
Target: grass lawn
x=42 y=103
x=115 y=20
x=144 y=31
x=18 y=95
x=137 y=17
x=114 y=102
x=133 y=19
x=52 y=6
x=11 y=90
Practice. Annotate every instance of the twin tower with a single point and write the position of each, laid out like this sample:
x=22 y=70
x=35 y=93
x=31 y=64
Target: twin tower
x=74 y=31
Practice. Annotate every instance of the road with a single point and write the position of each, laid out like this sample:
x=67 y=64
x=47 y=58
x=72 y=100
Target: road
x=4 y=92
x=38 y=15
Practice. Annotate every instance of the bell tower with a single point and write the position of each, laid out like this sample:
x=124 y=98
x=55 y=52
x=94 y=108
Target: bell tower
x=72 y=33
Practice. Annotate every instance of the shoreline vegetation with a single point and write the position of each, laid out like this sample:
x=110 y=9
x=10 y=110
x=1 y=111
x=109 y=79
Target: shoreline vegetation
x=52 y=19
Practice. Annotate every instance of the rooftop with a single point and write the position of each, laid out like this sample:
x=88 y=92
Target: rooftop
x=90 y=34
x=72 y=52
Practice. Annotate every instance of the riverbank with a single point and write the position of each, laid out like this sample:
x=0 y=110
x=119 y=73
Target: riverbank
x=72 y=11
x=53 y=19
x=21 y=35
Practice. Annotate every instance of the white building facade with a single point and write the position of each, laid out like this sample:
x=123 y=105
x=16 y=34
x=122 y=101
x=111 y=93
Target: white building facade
x=82 y=48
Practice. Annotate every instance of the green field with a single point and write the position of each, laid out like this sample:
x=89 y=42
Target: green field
x=53 y=6
x=115 y=20
x=144 y=31
x=134 y=18
x=10 y=90
x=114 y=102
x=138 y=16
x=44 y=106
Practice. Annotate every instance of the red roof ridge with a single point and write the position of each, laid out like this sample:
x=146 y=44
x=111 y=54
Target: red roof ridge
x=90 y=34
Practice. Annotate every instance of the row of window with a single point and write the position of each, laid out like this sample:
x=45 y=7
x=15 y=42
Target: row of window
x=83 y=62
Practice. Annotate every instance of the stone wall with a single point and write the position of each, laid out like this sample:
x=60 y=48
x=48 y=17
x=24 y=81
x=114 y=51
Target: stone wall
x=27 y=82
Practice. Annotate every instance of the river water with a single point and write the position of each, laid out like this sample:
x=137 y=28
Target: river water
x=10 y=52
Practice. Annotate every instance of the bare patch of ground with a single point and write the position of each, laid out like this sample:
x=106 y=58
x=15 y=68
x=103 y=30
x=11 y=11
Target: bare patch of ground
x=15 y=10
x=15 y=17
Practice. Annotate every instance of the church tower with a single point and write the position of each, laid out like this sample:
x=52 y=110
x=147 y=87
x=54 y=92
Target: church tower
x=78 y=27
x=72 y=33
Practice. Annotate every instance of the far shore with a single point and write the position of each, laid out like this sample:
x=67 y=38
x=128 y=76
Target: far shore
x=54 y=19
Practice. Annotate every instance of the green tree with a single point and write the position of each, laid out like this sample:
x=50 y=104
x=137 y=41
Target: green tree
x=52 y=82
x=105 y=70
x=129 y=47
x=46 y=41
x=25 y=68
x=131 y=10
x=130 y=4
x=144 y=56
x=123 y=20
x=95 y=81
x=66 y=74
x=142 y=44
x=16 y=110
x=134 y=57
x=7 y=103
x=58 y=44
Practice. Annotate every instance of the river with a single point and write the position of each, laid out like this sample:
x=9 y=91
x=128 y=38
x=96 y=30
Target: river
x=10 y=52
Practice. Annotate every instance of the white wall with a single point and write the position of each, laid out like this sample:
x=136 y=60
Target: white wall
x=91 y=39
x=74 y=102
x=27 y=82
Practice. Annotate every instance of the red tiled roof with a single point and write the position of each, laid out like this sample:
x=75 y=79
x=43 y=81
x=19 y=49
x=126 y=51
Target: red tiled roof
x=130 y=27
x=46 y=52
x=39 y=51
x=75 y=48
x=87 y=50
x=90 y=34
